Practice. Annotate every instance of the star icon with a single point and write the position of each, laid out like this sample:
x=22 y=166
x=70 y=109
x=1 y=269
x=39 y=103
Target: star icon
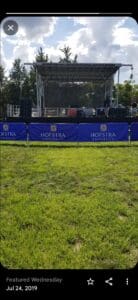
x=90 y=281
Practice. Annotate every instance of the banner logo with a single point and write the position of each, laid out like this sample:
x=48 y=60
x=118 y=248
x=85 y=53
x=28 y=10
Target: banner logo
x=5 y=127
x=103 y=127
x=53 y=128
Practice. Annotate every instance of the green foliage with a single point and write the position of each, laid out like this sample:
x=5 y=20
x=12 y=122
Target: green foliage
x=12 y=91
x=20 y=82
x=18 y=72
x=64 y=206
x=67 y=56
x=1 y=75
x=41 y=56
x=127 y=93
x=2 y=92
x=135 y=93
x=12 y=87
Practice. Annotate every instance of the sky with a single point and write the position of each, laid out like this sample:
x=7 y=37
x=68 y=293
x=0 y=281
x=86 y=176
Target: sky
x=94 y=39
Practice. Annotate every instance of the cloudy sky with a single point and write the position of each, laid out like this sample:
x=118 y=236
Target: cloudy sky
x=93 y=39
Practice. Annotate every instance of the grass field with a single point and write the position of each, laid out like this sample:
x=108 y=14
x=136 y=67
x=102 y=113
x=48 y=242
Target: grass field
x=69 y=206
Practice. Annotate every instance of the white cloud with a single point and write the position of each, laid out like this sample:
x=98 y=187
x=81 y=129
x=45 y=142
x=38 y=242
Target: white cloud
x=124 y=37
x=114 y=41
x=34 y=29
x=120 y=23
x=26 y=53
x=100 y=39
x=53 y=53
x=93 y=41
x=6 y=63
x=38 y=28
x=78 y=41
x=31 y=32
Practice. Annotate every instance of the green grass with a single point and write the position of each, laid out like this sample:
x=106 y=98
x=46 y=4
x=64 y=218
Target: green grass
x=65 y=206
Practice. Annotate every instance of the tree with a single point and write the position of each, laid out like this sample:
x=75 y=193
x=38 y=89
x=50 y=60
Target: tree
x=18 y=72
x=18 y=76
x=20 y=83
x=124 y=91
x=2 y=91
x=75 y=59
x=41 y=56
x=67 y=56
x=135 y=93
x=2 y=76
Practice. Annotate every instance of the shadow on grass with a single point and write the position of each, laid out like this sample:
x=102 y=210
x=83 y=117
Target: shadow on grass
x=74 y=145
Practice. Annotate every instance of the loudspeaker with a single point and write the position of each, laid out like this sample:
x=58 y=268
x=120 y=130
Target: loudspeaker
x=118 y=112
x=100 y=112
x=112 y=112
x=25 y=108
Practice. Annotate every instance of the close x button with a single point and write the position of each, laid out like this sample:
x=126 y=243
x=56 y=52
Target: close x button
x=10 y=27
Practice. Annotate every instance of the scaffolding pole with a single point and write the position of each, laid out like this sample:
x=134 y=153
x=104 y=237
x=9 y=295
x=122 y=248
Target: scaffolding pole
x=118 y=86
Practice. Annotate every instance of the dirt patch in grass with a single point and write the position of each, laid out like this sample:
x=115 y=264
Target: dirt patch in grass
x=122 y=217
x=77 y=246
x=133 y=257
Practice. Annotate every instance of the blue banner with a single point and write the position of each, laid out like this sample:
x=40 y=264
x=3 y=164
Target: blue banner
x=66 y=132
x=134 y=131
x=13 y=131
x=102 y=132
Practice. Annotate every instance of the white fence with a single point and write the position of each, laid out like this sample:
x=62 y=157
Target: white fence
x=13 y=110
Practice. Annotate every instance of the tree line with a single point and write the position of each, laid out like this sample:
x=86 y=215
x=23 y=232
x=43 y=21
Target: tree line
x=22 y=83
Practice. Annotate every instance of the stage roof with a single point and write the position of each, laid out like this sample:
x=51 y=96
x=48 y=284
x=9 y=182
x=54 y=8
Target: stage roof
x=77 y=72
